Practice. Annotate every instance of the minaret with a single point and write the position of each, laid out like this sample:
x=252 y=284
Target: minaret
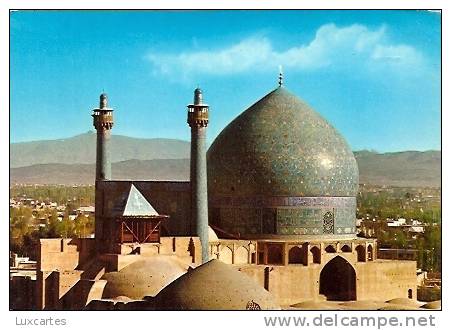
x=103 y=123
x=198 y=121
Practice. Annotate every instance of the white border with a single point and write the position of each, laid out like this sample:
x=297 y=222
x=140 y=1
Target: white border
x=215 y=320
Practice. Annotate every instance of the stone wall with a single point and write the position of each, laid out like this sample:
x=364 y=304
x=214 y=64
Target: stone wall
x=383 y=280
x=65 y=253
x=379 y=280
x=58 y=260
x=63 y=283
x=68 y=270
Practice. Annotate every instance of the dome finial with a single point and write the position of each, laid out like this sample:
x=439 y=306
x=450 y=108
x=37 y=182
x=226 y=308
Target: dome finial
x=280 y=76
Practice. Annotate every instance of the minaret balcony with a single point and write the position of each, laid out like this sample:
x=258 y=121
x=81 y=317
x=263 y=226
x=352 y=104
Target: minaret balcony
x=198 y=118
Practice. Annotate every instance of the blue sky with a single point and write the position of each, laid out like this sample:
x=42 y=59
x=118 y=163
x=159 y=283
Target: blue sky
x=375 y=75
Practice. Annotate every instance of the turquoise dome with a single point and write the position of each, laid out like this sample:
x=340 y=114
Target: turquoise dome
x=281 y=147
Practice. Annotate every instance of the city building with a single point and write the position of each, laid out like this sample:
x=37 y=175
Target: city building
x=22 y=282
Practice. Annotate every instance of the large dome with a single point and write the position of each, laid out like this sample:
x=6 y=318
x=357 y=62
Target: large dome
x=281 y=147
x=280 y=168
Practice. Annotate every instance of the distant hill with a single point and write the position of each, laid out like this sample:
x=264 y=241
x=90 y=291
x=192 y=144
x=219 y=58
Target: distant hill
x=71 y=161
x=157 y=169
x=81 y=149
x=407 y=168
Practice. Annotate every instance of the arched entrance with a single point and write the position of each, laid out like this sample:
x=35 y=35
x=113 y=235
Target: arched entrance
x=337 y=280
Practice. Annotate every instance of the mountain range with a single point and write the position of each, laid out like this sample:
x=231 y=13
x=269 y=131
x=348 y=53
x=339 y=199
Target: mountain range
x=71 y=161
x=81 y=149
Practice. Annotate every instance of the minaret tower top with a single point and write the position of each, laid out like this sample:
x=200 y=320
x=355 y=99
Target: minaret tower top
x=103 y=116
x=198 y=111
x=198 y=96
x=103 y=101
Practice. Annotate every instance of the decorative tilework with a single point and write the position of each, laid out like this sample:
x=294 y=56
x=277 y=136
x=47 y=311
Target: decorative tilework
x=268 y=201
x=278 y=148
x=328 y=223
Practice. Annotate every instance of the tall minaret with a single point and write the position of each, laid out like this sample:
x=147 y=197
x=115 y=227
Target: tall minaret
x=198 y=121
x=103 y=123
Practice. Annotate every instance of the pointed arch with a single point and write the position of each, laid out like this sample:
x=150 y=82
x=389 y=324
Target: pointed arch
x=275 y=253
x=241 y=255
x=338 y=280
x=360 y=253
x=295 y=255
x=330 y=249
x=225 y=255
x=316 y=254
x=346 y=248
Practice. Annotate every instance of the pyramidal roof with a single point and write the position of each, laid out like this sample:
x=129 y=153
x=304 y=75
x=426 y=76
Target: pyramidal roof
x=137 y=205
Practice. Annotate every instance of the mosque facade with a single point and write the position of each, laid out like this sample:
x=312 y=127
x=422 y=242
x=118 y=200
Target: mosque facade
x=268 y=214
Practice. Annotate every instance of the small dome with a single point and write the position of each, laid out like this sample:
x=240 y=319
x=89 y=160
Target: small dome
x=122 y=299
x=403 y=302
x=433 y=305
x=214 y=286
x=145 y=277
x=212 y=237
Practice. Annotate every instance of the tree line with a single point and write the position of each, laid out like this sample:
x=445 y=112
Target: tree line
x=27 y=227
x=26 y=230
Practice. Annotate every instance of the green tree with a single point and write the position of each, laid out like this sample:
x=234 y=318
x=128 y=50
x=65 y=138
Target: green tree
x=67 y=228
x=54 y=226
x=83 y=225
